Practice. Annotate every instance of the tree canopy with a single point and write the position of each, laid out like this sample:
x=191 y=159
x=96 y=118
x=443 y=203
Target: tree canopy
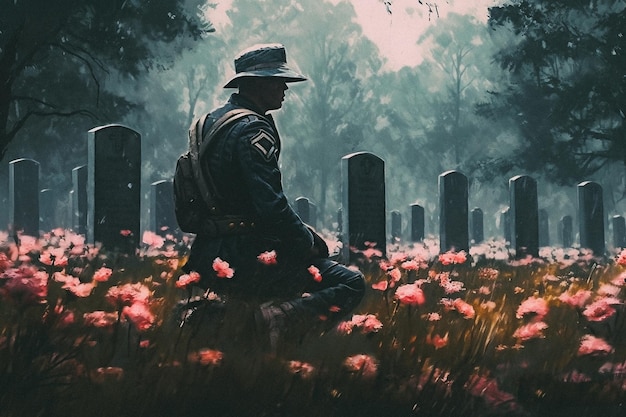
x=56 y=55
x=567 y=92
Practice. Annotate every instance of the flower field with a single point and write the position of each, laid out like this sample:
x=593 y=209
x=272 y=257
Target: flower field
x=85 y=332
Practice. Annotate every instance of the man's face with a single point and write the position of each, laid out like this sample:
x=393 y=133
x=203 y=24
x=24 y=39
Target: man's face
x=272 y=92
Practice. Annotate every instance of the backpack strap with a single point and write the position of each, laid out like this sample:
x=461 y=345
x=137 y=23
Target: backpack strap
x=198 y=146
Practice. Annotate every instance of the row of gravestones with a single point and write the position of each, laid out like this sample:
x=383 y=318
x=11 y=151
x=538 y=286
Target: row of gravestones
x=105 y=203
x=524 y=225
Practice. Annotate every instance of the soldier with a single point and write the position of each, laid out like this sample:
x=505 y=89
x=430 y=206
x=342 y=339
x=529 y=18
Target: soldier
x=268 y=253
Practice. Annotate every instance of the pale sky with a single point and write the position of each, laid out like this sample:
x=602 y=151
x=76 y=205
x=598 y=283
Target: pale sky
x=395 y=34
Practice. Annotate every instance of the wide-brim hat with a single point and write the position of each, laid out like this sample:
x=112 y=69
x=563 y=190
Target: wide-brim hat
x=264 y=60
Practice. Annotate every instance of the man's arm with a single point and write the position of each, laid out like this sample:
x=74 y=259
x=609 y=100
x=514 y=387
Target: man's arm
x=257 y=148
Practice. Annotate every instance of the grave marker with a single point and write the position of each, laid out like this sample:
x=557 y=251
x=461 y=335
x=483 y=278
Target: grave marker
x=524 y=216
x=396 y=226
x=79 y=200
x=619 y=232
x=505 y=224
x=477 y=227
x=453 y=217
x=544 y=228
x=566 y=231
x=24 y=196
x=591 y=216
x=417 y=223
x=114 y=187
x=363 y=203
x=162 y=215
x=48 y=204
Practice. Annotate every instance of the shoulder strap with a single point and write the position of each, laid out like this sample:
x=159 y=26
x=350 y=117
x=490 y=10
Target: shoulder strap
x=198 y=146
x=223 y=121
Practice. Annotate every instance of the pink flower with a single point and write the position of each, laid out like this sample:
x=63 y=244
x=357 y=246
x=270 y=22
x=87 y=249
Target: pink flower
x=364 y=365
x=28 y=244
x=5 y=262
x=490 y=274
x=591 y=345
x=140 y=315
x=126 y=232
x=531 y=330
x=152 y=239
x=451 y=287
x=395 y=275
x=488 y=305
x=127 y=294
x=410 y=294
x=464 y=308
x=100 y=319
x=268 y=258
x=303 y=369
x=345 y=327
x=385 y=265
x=434 y=317
x=608 y=290
x=411 y=265
x=579 y=299
x=79 y=289
x=397 y=257
x=102 y=274
x=533 y=305
x=451 y=258
x=621 y=258
x=187 y=279
x=25 y=284
x=368 y=323
x=207 y=357
x=484 y=290
x=437 y=341
x=381 y=285
x=66 y=318
x=315 y=272
x=54 y=256
x=618 y=281
x=62 y=277
x=599 y=310
x=222 y=268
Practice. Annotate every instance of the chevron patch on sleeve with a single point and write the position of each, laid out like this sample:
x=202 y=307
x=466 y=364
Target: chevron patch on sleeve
x=265 y=144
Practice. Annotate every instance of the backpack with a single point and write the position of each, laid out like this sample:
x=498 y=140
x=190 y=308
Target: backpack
x=195 y=195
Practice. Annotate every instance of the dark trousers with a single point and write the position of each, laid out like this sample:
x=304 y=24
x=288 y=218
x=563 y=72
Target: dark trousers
x=335 y=295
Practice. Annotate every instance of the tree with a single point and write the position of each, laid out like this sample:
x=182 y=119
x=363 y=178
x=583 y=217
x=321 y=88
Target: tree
x=567 y=94
x=458 y=65
x=56 y=56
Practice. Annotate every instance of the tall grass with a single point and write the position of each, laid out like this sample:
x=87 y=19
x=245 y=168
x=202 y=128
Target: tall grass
x=86 y=332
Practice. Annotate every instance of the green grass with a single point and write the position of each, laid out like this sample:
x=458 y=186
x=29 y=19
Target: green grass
x=459 y=351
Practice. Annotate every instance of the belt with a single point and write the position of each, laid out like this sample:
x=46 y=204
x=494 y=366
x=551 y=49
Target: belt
x=229 y=225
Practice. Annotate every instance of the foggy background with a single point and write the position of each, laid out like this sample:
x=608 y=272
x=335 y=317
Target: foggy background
x=536 y=90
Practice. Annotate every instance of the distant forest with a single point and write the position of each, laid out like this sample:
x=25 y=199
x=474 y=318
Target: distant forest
x=538 y=90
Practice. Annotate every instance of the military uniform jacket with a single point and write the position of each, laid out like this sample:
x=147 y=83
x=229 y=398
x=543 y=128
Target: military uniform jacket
x=243 y=162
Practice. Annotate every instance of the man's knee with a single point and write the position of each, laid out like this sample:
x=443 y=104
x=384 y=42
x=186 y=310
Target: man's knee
x=354 y=281
x=357 y=282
